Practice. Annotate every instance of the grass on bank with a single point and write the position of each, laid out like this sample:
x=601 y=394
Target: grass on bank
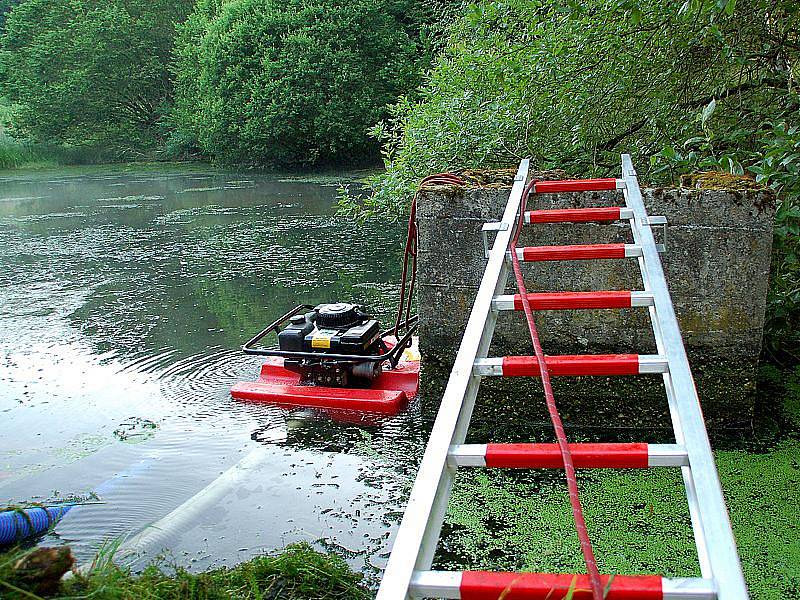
x=297 y=573
x=15 y=154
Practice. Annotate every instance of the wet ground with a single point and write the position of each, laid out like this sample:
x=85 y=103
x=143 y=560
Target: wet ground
x=124 y=299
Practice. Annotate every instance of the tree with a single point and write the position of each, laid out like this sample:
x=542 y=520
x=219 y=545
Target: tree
x=571 y=84
x=5 y=8
x=292 y=82
x=91 y=72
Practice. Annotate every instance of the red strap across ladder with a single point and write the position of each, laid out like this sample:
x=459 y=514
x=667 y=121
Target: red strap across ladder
x=573 y=365
x=575 y=185
x=579 y=252
x=548 y=456
x=570 y=300
x=574 y=215
x=484 y=585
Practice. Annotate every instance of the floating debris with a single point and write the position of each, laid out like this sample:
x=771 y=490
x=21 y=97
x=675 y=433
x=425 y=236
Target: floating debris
x=135 y=430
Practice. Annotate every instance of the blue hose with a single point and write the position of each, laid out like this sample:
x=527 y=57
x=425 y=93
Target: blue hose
x=14 y=526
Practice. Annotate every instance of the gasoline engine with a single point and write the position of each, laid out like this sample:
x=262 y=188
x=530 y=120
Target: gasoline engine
x=337 y=334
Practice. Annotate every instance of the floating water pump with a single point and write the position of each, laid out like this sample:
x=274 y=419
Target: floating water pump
x=334 y=345
x=334 y=356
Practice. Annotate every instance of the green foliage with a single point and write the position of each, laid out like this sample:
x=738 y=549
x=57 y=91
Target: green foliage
x=771 y=154
x=22 y=153
x=573 y=84
x=298 y=82
x=782 y=384
x=778 y=165
x=297 y=573
x=5 y=8
x=90 y=72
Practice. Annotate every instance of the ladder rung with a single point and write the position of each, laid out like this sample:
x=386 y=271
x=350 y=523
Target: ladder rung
x=572 y=365
x=579 y=252
x=575 y=300
x=579 y=215
x=548 y=456
x=578 y=185
x=485 y=585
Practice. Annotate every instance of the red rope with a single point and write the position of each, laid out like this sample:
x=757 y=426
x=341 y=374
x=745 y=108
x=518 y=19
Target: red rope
x=412 y=241
x=569 y=468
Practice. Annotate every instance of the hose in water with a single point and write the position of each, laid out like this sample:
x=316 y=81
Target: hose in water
x=410 y=256
x=16 y=525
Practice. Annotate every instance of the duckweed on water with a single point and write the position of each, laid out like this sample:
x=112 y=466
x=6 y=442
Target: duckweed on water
x=638 y=521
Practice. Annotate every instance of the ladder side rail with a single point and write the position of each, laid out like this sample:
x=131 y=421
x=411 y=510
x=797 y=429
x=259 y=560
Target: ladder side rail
x=419 y=530
x=714 y=520
x=686 y=472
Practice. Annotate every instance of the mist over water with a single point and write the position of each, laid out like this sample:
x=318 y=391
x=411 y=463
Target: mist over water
x=124 y=300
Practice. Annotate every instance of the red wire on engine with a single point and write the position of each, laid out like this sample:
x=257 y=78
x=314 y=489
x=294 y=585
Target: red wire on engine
x=569 y=467
x=412 y=240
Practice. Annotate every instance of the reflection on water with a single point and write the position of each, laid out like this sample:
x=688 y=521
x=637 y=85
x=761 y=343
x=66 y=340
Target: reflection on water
x=123 y=302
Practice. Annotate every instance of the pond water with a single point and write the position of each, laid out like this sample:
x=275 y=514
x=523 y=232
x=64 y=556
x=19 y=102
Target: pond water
x=124 y=299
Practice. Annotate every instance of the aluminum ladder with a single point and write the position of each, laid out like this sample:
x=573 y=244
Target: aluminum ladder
x=408 y=573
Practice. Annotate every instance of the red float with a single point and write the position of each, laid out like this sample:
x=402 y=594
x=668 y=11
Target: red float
x=389 y=394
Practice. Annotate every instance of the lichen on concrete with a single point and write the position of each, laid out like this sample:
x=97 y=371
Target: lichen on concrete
x=717 y=180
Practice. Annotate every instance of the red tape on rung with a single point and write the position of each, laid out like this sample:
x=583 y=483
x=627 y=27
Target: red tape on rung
x=548 y=456
x=573 y=365
x=575 y=185
x=575 y=215
x=570 y=300
x=484 y=585
x=578 y=252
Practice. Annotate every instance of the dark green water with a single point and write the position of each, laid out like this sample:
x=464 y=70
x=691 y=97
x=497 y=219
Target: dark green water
x=124 y=299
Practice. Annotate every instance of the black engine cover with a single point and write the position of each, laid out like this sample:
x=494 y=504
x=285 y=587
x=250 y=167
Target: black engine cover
x=332 y=328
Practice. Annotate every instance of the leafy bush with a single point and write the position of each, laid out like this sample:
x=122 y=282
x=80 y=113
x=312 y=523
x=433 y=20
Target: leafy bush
x=90 y=72
x=773 y=158
x=779 y=166
x=573 y=84
x=5 y=8
x=292 y=82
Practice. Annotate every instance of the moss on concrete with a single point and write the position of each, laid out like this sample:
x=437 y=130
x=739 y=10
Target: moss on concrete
x=491 y=179
x=717 y=180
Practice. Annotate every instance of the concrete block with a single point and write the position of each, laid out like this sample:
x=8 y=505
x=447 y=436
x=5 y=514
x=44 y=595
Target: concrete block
x=717 y=265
